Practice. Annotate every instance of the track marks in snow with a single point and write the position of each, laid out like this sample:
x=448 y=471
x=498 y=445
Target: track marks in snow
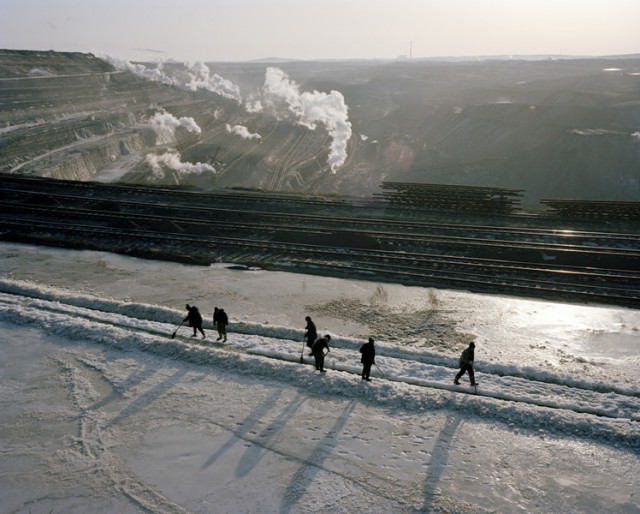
x=90 y=452
x=409 y=385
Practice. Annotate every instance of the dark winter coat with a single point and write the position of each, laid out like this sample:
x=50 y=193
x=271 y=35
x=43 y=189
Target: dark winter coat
x=311 y=334
x=320 y=345
x=194 y=318
x=467 y=356
x=222 y=318
x=368 y=351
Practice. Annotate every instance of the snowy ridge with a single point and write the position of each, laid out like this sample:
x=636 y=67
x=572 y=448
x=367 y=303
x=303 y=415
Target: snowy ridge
x=414 y=382
x=154 y=318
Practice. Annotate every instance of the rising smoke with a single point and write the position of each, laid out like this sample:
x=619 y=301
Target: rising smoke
x=201 y=78
x=311 y=108
x=253 y=104
x=198 y=76
x=165 y=124
x=242 y=131
x=280 y=95
x=140 y=70
x=171 y=160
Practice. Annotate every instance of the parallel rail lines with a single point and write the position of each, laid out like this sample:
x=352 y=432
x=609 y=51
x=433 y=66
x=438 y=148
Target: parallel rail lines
x=219 y=221
x=196 y=213
x=610 y=287
x=325 y=236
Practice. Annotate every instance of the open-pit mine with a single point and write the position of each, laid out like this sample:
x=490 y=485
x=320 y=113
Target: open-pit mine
x=501 y=177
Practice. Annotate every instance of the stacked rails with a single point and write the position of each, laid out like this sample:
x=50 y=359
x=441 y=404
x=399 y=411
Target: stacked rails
x=438 y=197
x=277 y=233
x=593 y=209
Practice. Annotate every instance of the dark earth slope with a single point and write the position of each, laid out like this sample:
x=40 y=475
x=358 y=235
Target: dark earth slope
x=554 y=128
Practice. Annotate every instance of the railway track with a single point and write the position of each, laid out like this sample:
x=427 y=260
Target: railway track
x=607 y=286
x=219 y=221
x=577 y=265
x=364 y=212
x=418 y=233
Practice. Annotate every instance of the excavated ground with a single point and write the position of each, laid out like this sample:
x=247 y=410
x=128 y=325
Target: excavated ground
x=554 y=129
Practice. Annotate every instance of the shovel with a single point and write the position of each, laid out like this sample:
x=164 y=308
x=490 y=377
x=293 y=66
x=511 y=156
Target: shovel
x=174 y=334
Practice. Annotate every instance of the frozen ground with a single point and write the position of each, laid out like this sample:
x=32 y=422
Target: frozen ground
x=102 y=411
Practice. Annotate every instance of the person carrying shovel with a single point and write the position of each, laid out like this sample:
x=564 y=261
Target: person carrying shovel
x=195 y=320
x=368 y=351
x=317 y=350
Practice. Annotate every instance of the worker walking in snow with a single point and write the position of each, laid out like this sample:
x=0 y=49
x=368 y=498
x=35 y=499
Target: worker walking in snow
x=466 y=364
x=310 y=332
x=216 y=317
x=317 y=350
x=221 y=321
x=368 y=351
x=195 y=320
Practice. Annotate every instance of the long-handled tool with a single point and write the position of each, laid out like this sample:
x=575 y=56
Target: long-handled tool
x=379 y=370
x=302 y=353
x=174 y=334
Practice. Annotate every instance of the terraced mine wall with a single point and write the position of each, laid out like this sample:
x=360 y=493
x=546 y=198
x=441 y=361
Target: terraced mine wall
x=550 y=129
x=71 y=115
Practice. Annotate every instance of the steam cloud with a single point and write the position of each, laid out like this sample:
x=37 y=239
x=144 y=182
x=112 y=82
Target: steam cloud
x=311 y=109
x=201 y=78
x=165 y=125
x=253 y=105
x=198 y=77
x=279 y=93
x=140 y=70
x=242 y=131
x=172 y=161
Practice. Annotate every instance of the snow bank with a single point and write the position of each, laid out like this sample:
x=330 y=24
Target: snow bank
x=412 y=382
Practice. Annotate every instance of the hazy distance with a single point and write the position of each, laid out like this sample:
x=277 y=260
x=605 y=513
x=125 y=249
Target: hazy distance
x=239 y=30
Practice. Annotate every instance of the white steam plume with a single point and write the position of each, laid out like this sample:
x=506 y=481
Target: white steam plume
x=242 y=131
x=172 y=161
x=140 y=70
x=201 y=78
x=312 y=108
x=253 y=105
x=165 y=124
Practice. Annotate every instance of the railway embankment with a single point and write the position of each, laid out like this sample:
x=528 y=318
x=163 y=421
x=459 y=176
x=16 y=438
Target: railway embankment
x=541 y=255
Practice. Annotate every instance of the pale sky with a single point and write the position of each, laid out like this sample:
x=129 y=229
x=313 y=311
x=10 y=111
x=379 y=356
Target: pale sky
x=230 y=30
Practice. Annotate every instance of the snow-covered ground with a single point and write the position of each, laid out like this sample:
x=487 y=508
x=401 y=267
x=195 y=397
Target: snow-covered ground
x=103 y=411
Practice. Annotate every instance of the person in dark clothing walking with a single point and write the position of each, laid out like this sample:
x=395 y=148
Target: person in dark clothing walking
x=310 y=334
x=466 y=364
x=195 y=320
x=368 y=351
x=221 y=320
x=317 y=350
x=216 y=317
